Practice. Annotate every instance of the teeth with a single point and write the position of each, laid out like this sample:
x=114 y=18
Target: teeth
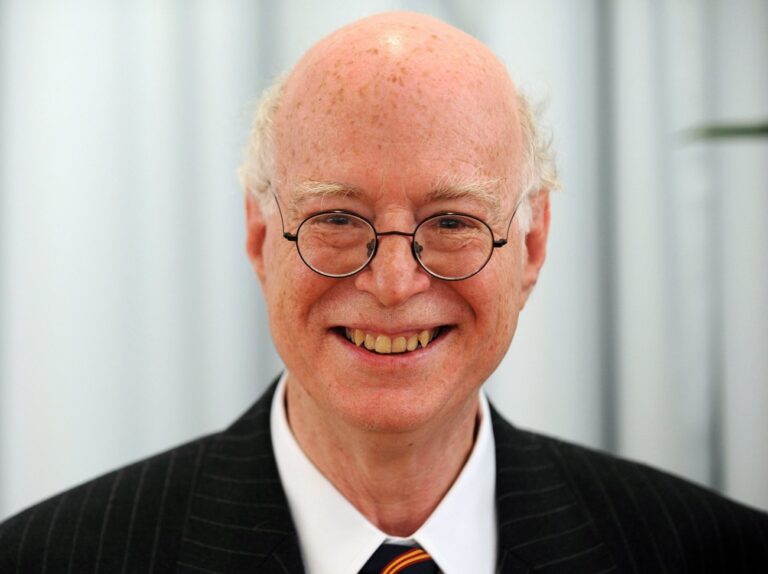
x=385 y=345
x=370 y=342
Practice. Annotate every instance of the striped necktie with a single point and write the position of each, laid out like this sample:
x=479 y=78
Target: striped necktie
x=396 y=559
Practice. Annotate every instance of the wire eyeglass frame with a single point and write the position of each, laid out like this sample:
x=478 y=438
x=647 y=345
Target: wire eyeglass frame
x=416 y=248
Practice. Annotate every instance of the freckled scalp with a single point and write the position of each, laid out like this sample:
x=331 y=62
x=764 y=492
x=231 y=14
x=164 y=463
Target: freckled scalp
x=362 y=77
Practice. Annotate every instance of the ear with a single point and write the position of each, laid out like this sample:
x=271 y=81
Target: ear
x=256 y=232
x=536 y=241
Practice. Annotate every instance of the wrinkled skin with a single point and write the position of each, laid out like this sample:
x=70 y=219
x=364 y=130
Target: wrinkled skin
x=390 y=106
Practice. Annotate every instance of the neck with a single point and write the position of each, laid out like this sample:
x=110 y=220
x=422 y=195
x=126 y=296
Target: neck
x=395 y=479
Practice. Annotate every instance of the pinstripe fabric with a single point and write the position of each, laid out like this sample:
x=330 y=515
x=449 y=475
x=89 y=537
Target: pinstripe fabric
x=117 y=523
x=216 y=505
x=564 y=508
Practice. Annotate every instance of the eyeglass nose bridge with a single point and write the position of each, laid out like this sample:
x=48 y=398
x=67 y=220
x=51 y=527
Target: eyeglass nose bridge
x=373 y=245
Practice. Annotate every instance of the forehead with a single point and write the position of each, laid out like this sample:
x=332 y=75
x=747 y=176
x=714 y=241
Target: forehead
x=401 y=111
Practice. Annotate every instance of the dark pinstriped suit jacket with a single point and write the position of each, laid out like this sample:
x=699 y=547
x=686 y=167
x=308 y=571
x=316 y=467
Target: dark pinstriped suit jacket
x=216 y=505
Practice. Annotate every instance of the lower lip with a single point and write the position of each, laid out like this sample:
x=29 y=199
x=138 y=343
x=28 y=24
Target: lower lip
x=362 y=354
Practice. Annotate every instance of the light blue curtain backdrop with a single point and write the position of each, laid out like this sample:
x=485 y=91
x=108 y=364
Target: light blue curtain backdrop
x=130 y=320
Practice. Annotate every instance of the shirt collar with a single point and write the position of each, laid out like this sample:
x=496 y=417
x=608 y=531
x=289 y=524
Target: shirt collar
x=460 y=534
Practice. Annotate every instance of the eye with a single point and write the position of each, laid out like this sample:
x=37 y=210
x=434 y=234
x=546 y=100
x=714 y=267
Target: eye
x=335 y=223
x=337 y=219
x=455 y=223
x=450 y=227
x=450 y=223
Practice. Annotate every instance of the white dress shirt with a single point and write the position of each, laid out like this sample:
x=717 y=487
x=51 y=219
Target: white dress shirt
x=335 y=538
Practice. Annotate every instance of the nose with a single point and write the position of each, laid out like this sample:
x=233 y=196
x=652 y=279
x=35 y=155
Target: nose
x=393 y=276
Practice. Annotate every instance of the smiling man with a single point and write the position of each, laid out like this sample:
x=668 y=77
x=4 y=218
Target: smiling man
x=395 y=254
x=397 y=199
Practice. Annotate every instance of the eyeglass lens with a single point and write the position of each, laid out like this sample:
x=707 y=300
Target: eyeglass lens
x=448 y=246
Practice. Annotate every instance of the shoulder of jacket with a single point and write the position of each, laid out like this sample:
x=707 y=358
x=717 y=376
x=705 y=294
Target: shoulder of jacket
x=137 y=496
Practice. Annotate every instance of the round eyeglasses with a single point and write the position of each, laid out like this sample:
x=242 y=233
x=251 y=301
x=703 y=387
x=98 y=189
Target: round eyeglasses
x=448 y=246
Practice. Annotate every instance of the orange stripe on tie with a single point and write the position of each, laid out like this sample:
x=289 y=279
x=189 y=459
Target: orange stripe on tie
x=415 y=560
x=404 y=560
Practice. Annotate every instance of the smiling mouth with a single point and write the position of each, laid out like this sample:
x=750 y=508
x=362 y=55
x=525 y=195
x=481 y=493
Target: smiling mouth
x=385 y=345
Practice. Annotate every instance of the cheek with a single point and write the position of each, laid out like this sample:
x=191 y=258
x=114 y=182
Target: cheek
x=501 y=304
x=502 y=323
x=281 y=274
x=291 y=288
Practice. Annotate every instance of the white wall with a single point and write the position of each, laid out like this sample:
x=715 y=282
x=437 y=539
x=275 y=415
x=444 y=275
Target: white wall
x=692 y=306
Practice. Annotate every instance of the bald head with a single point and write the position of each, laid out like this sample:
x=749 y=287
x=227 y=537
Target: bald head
x=403 y=58
x=389 y=82
x=392 y=80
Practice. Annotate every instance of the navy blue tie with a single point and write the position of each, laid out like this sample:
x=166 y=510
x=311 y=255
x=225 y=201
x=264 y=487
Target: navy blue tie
x=394 y=559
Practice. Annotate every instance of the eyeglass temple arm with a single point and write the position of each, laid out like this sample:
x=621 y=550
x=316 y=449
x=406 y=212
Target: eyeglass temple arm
x=503 y=242
x=286 y=234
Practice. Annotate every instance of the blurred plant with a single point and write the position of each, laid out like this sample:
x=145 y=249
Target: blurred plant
x=724 y=131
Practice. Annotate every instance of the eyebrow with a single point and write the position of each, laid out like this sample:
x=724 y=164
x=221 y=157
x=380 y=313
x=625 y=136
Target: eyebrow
x=483 y=191
x=310 y=190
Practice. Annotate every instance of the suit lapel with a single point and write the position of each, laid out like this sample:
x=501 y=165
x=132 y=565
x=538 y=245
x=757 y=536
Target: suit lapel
x=543 y=525
x=239 y=520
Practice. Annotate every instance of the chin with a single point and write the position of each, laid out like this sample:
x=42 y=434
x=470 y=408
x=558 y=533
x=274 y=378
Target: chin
x=395 y=410
x=389 y=419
